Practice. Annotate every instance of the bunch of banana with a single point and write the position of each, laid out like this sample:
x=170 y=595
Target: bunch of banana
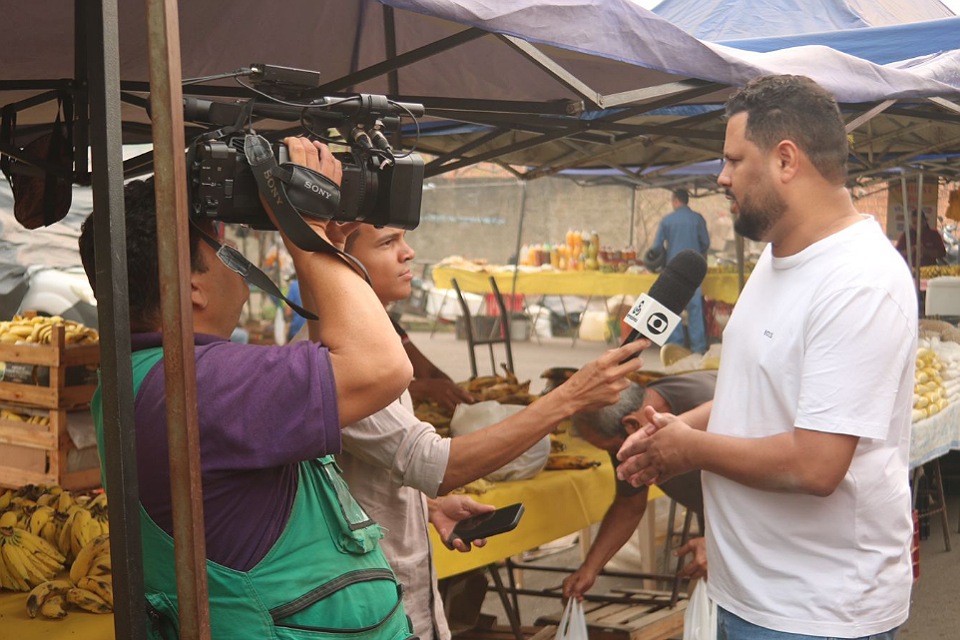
x=39 y=329
x=937 y=270
x=929 y=394
x=27 y=560
x=93 y=559
x=48 y=599
x=29 y=418
x=564 y=461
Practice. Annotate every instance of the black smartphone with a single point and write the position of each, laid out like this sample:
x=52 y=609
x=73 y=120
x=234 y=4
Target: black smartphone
x=489 y=524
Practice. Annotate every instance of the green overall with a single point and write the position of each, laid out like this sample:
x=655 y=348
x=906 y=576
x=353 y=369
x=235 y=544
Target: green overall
x=325 y=577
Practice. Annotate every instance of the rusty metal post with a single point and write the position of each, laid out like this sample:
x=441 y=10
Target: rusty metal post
x=166 y=98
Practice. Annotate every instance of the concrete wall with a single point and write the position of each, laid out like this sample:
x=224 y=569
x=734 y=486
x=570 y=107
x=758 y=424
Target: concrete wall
x=478 y=219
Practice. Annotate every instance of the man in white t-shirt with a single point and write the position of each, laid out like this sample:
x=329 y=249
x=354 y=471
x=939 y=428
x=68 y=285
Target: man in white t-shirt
x=804 y=449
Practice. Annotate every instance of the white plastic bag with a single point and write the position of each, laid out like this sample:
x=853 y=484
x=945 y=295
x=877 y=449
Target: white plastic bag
x=468 y=418
x=573 y=624
x=700 y=618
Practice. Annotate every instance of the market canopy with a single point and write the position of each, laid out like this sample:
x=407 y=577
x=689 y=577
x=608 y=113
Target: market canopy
x=546 y=86
x=722 y=20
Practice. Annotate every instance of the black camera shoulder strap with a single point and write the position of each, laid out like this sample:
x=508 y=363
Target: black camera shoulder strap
x=272 y=180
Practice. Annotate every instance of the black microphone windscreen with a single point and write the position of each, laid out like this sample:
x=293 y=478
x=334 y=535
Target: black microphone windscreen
x=679 y=281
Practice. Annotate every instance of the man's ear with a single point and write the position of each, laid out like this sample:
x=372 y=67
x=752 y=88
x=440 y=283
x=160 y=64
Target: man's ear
x=631 y=423
x=198 y=293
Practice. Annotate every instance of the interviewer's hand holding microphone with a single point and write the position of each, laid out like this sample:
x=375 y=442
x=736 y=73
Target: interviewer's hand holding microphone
x=659 y=451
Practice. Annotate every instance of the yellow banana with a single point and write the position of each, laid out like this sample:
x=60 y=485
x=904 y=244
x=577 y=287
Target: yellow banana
x=85 y=557
x=9 y=518
x=6 y=580
x=64 y=501
x=88 y=600
x=43 y=591
x=99 y=501
x=40 y=517
x=52 y=607
x=64 y=542
x=103 y=587
x=15 y=567
x=5 y=499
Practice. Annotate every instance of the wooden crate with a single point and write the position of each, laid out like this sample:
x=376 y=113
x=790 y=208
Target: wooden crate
x=60 y=361
x=39 y=454
x=624 y=622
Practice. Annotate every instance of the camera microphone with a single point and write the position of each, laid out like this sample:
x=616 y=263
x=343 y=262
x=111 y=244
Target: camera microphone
x=657 y=313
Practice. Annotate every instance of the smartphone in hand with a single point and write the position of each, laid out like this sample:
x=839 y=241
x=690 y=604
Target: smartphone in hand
x=489 y=524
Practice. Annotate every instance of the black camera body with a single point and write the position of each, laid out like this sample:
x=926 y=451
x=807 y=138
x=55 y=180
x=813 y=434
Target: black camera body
x=378 y=187
x=223 y=187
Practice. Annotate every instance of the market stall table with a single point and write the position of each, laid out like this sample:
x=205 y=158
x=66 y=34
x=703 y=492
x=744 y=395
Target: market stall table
x=717 y=286
x=557 y=503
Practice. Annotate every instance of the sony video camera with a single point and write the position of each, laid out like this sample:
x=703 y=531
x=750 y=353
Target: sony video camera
x=377 y=187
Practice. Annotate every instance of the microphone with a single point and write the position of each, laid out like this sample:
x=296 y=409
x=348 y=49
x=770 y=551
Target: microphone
x=657 y=313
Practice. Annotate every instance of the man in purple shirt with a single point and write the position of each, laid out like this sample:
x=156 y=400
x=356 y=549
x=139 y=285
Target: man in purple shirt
x=267 y=416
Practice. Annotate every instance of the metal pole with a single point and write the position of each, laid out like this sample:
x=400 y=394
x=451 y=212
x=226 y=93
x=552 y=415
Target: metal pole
x=918 y=255
x=166 y=98
x=97 y=35
x=516 y=253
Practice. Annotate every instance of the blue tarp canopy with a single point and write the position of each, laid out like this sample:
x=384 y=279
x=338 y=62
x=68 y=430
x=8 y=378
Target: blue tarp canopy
x=724 y=20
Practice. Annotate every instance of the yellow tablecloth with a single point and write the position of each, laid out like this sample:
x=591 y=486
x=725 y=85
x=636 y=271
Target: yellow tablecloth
x=78 y=625
x=717 y=286
x=556 y=504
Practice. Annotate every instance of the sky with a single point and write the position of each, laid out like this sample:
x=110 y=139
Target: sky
x=953 y=5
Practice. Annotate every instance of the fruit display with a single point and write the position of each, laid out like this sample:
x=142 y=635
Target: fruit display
x=39 y=329
x=18 y=414
x=505 y=389
x=938 y=270
x=564 y=461
x=937 y=378
x=56 y=545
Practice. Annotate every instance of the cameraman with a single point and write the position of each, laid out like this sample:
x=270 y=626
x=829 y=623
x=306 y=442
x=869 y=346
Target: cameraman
x=393 y=461
x=269 y=417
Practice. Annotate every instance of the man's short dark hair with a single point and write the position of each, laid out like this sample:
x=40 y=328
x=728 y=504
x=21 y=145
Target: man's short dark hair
x=143 y=269
x=795 y=108
x=605 y=422
x=682 y=195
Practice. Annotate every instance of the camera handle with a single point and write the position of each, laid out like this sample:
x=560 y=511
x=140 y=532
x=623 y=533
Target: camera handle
x=272 y=181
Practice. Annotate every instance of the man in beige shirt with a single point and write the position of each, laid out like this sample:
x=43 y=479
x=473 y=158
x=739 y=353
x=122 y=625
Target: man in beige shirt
x=395 y=464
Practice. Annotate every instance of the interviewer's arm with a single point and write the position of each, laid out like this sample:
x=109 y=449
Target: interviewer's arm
x=597 y=384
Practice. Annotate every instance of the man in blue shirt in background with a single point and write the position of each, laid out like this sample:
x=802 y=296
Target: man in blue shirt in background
x=682 y=229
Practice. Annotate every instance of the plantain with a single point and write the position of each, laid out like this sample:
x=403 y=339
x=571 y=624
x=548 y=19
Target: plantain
x=102 y=566
x=88 y=600
x=99 y=585
x=52 y=608
x=88 y=554
x=43 y=591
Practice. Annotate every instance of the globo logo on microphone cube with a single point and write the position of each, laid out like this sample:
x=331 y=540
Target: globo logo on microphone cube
x=652 y=319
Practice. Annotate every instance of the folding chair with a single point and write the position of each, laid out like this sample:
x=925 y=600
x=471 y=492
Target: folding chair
x=499 y=332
